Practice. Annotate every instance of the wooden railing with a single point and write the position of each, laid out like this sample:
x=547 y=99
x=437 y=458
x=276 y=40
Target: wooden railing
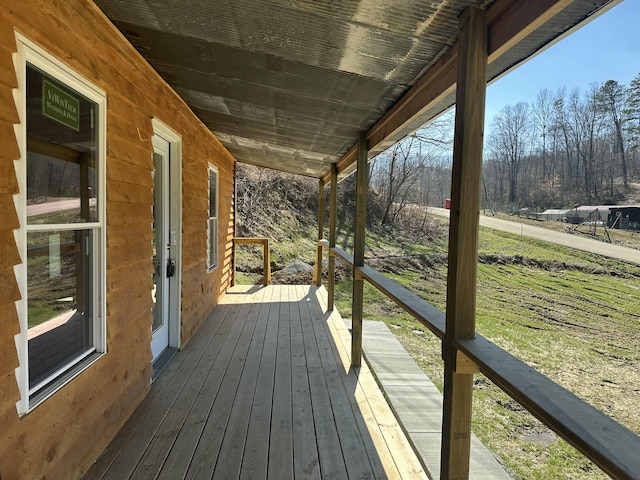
x=614 y=448
x=266 y=256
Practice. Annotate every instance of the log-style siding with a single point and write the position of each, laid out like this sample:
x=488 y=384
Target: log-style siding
x=64 y=435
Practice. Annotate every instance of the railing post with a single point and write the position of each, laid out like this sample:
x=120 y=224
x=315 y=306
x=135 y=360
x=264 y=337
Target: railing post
x=233 y=262
x=333 y=206
x=463 y=241
x=317 y=271
x=358 y=251
x=266 y=256
x=235 y=226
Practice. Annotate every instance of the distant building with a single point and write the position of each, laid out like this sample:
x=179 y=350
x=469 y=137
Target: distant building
x=553 y=215
x=625 y=217
x=598 y=213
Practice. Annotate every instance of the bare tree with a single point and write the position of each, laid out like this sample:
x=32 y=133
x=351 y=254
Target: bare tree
x=543 y=112
x=565 y=148
x=509 y=140
x=613 y=99
x=395 y=174
x=633 y=127
x=400 y=175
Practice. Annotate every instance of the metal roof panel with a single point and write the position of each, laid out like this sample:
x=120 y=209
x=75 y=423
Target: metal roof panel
x=300 y=78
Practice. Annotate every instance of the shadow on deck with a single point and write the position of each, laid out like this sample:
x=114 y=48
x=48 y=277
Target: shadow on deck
x=264 y=390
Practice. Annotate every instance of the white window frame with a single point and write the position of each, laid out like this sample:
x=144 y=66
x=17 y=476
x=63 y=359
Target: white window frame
x=212 y=222
x=30 y=53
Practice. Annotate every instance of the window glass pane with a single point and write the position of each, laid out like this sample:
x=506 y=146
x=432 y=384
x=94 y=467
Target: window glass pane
x=60 y=285
x=213 y=218
x=62 y=149
x=213 y=193
x=213 y=242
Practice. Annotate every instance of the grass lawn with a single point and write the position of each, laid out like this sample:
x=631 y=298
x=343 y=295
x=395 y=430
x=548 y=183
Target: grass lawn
x=573 y=316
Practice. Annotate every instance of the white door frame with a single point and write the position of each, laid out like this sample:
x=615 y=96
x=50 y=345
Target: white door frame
x=175 y=227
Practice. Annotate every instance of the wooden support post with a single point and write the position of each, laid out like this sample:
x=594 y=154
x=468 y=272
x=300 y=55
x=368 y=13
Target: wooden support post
x=463 y=241
x=333 y=207
x=317 y=271
x=266 y=254
x=235 y=229
x=358 y=251
x=233 y=262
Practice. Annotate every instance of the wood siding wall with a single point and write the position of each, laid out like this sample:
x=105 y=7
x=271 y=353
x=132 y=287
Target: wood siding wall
x=64 y=435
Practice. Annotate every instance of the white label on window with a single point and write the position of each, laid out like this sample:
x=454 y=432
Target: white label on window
x=54 y=255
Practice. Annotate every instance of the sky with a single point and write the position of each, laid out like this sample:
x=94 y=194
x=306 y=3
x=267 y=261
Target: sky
x=606 y=48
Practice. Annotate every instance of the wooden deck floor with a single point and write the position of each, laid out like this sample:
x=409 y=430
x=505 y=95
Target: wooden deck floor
x=263 y=390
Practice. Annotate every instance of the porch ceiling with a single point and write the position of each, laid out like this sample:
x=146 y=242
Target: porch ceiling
x=288 y=84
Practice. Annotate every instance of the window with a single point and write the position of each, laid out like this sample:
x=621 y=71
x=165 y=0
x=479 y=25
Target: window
x=212 y=256
x=61 y=210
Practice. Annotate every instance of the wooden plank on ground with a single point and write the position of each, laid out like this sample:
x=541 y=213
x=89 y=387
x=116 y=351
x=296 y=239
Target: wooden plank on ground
x=281 y=440
x=179 y=459
x=208 y=449
x=152 y=401
x=305 y=449
x=330 y=452
x=233 y=444
x=358 y=464
x=256 y=454
x=164 y=438
x=141 y=437
x=391 y=444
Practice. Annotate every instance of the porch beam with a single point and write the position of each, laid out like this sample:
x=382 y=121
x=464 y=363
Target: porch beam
x=463 y=242
x=318 y=268
x=333 y=210
x=358 y=251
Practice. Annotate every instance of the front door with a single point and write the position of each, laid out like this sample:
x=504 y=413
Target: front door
x=164 y=264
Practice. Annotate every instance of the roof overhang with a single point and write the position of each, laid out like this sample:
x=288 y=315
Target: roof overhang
x=290 y=84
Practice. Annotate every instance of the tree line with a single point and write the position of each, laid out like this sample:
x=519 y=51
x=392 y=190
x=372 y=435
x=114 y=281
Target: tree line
x=564 y=148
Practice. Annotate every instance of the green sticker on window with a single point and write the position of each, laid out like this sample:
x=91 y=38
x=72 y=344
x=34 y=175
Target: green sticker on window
x=60 y=105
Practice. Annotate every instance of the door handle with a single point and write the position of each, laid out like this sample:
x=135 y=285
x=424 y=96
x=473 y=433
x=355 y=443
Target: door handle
x=171 y=268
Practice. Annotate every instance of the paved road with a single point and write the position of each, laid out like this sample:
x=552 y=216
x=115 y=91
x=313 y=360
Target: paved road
x=55 y=205
x=576 y=240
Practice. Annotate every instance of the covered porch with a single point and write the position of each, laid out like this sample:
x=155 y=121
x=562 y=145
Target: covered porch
x=265 y=390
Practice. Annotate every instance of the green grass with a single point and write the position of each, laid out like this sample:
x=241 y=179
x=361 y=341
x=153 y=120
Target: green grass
x=580 y=328
x=41 y=313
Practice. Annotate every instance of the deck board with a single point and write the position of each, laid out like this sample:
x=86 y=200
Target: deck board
x=263 y=390
x=123 y=454
x=187 y=439
x=233 y=444
x=206 y=454
x=361 y=458
x=305 y=451
x=256 y=454
x=326 y=432
x=281 y=435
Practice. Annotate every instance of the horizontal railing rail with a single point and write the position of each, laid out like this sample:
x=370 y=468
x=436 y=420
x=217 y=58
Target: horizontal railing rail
x=266 y=256
x=611 y=446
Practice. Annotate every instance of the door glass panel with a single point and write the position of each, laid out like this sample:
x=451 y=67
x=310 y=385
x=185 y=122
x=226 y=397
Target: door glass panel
x=163 y=274
x=158 y=243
